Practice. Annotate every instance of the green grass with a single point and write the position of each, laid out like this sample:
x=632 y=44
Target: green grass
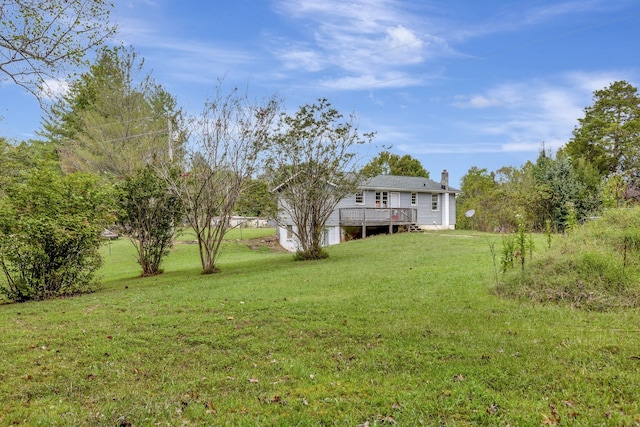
x=594 y=267
x=400 y=328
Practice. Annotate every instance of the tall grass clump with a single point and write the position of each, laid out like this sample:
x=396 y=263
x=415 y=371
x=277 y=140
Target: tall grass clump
x=596 y=266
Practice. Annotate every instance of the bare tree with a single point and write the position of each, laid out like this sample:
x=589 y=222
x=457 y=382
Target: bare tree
x=226 y=145
x=42 y=39
x=314 y=165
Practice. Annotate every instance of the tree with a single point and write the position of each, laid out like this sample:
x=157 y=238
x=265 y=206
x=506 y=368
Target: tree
x=115 y=119
x=257 y=200
x=40 y=39
x=18 y=161
x=50 y=235
x=608 y=136
x=316 y=154
x=149 y=213
x=477 y=193
x=561 y=193
x=392 y=164
x=227 y=143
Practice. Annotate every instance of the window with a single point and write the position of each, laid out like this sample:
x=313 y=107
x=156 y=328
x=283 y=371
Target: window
x=382 y=199
x=414 y=199
x=289 y=232
x=359 y=198
x=434 y=202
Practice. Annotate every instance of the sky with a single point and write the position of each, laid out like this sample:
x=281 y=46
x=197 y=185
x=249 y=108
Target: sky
x=454 y=84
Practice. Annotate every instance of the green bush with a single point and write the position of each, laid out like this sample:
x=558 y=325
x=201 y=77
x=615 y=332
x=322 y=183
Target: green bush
x=311 y=254
x=149 y=212
x=50 y=235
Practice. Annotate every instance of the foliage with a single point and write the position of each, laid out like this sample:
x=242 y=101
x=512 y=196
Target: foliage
x=257 y=200
x=17 y=161
x=516 y=246
x=565 y=197
x=508 y=252
x=315 y=152
x=115 y=119
x=549 y=189
x=149 y=214
x=596 y=267
x=548 y=232
x=597 y=168
x=609 y=134
x=50 y=235
x=40 y=39
x=386 y=163
x=613 y=190
x=477 y=194
x=230 y=137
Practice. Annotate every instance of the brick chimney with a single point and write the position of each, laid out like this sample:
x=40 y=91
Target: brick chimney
x=444 y=182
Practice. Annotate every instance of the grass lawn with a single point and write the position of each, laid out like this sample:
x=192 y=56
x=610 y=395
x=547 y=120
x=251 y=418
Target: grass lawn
x=400 y=329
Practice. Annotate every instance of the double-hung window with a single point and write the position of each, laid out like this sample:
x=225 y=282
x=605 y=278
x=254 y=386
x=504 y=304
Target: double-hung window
x=414 y=199
x=360 y=198
x=382 y=199
x=434 y=202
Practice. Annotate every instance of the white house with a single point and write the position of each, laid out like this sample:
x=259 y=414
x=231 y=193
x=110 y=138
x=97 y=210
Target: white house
x=389 y=203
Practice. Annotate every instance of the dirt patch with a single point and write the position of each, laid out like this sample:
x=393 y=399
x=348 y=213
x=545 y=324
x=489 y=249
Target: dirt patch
x=262 y=243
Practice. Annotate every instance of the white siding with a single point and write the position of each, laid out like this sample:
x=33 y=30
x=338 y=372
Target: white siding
x=332 y=236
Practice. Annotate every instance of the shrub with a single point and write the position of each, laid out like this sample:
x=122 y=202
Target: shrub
x=149 y=212
x=50 y=235
x=311 y=254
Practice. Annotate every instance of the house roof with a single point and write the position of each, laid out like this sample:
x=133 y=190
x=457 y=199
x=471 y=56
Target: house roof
x=405 y=183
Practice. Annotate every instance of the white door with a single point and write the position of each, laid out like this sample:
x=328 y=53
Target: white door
x=394 y=200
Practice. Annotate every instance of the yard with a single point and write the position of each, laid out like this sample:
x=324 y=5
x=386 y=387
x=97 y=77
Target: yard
x=400 y=329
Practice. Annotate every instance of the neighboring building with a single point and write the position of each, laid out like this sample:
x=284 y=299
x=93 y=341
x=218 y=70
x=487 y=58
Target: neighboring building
x=388 y=203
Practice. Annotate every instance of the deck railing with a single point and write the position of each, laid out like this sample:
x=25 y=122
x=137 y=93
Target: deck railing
x=378 y=216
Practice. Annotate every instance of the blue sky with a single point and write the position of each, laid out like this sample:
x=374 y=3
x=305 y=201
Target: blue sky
x=454 y=84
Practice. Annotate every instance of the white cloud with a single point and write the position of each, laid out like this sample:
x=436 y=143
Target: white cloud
x=305 y=59
x=363 y=81
x=53 y=88
x=527 y=114
x=595 y=81
x=370 y=42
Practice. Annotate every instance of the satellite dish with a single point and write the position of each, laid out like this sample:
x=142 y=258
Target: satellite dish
x=469 y=213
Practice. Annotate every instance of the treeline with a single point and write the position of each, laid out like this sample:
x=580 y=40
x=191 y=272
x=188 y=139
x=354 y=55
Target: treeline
x=598 y=168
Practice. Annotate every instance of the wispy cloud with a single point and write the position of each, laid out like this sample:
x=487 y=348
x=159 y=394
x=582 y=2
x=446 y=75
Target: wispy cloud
x=359 y=44
x=525 y=114
x=191 y=60
x=514 y=17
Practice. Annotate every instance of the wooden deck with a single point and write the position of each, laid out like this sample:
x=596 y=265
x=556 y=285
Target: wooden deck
x=365 y=217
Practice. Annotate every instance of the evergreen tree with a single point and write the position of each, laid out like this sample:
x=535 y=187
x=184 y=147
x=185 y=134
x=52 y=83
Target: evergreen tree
x=608 y=136
x=115 y=120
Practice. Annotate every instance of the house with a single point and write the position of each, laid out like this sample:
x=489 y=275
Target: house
x=386 y=203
